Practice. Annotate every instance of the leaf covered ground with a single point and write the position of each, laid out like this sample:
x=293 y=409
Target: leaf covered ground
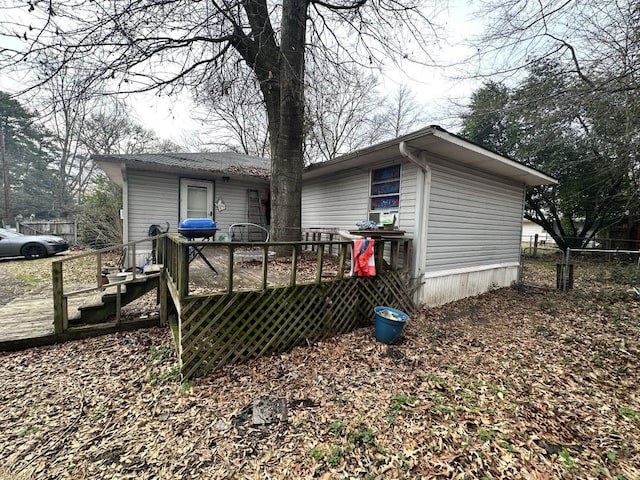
x=526 y=382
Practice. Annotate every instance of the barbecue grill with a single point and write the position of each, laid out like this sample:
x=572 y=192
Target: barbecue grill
x=197 y=228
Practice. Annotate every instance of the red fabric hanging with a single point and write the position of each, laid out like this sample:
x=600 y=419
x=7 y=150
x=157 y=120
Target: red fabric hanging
x=364 y=261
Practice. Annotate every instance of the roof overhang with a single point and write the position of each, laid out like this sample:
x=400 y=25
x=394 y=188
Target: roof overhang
x=117 y=166
x=116 y=171
x=438 y=143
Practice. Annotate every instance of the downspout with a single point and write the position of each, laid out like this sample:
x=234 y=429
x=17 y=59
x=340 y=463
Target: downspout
x=421 y=220
x=125 y=203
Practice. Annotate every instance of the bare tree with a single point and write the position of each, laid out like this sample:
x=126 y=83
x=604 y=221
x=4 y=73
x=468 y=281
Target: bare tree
x=69 y=97
x=110 y=130
x=238 y=116
x=142 y=45
x=341 y=102
x=590 y=53
x=341 y=106
x=400 y=113
x=599 y=42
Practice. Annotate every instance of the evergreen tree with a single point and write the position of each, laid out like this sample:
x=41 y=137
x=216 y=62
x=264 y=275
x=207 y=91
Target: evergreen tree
x=545 y=123
x=28 y=156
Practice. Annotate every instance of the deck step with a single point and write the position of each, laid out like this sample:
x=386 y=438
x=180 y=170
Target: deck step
x=105 y=307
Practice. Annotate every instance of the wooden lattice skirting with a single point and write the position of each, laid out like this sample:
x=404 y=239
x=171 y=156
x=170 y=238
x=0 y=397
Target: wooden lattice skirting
x=222 y=329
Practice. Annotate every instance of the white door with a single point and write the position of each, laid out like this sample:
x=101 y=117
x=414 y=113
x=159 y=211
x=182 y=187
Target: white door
x=196 y=199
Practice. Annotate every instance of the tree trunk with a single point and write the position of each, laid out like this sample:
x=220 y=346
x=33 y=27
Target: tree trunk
x=287 y=137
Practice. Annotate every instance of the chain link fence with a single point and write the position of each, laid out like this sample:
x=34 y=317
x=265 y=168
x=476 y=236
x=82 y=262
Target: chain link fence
x=608 y=264
x=605 y=263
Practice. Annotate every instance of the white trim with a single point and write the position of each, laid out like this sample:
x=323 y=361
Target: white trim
x=423 y=199
x=448 y=288
x=493 y=156
x=480 y=268
x=185 y=183
x=395 y=210
x=440 y=144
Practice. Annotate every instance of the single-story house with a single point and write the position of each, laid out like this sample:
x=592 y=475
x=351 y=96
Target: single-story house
x=166 y=188
x=460 y=203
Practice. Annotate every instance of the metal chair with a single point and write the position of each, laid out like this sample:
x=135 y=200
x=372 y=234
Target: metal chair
x=249 y=232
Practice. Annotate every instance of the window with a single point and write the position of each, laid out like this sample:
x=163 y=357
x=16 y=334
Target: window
x=384 y=202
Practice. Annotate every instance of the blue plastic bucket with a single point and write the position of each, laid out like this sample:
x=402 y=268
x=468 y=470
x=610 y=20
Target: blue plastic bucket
x=389 y=324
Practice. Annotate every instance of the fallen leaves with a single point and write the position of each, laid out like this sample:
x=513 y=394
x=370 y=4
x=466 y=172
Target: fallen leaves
x=517 y=383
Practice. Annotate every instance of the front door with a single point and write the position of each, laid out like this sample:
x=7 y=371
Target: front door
x=196 y=199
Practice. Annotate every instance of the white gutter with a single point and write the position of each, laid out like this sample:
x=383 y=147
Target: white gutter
x=421 y=219
x=524 y=203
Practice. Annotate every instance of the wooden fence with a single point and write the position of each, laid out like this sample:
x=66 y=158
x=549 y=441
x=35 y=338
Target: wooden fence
x=227 y=327
x=67 y=229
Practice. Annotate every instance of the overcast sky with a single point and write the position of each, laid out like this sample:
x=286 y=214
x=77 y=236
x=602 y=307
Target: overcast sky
x=435 y=88
x=438 y=89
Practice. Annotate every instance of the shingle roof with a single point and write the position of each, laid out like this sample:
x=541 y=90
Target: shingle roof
x=229 y=163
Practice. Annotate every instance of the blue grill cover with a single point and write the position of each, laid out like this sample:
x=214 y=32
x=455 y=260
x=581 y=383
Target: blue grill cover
x=197 y=224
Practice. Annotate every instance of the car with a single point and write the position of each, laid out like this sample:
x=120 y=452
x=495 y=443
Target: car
x=13 y=244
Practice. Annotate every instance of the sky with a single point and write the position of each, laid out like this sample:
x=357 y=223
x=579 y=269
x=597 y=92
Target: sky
x=437 y=89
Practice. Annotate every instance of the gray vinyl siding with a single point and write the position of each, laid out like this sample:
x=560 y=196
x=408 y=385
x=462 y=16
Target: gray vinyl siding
x=235 y=197
x=336 y=202
x=408 y=188
x=343 y=200
x=153 y=199
x=474 y=219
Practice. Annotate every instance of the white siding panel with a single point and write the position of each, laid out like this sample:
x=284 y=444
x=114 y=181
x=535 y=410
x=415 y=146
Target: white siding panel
x=337 y=202
x=235 y=197
x=438 y=290
x=474 y=220
x=408 y=189
x=154 y=199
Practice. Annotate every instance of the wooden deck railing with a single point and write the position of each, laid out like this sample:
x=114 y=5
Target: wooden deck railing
x=304 y=296
x=176 y=254
x=228 y=325
x=124 y=257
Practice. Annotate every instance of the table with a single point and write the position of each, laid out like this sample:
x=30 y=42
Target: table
x=378 y=233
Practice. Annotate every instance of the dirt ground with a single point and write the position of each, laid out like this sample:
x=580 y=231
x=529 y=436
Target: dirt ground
x=525 y=382
x=19 y=276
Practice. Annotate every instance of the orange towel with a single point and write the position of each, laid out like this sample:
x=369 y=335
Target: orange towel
x=364 y=260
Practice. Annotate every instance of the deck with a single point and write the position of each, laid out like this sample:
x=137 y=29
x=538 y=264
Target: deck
x=26 y=317
x=30 y=316
x=248 y=270
x=28 y=320
x=219 y=277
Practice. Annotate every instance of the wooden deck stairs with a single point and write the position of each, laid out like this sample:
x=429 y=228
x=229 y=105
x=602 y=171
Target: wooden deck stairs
x=105 y=305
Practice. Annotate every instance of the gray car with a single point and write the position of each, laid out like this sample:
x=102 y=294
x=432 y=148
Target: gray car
x=14 y=244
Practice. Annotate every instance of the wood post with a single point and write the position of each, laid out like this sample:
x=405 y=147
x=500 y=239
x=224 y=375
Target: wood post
x=163 y=294
x=294 y=265
x=319 y=262
x=59 y=310
x=183 y=270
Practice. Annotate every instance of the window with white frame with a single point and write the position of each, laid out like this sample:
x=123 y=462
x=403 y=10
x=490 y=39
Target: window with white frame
x=384 y=201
